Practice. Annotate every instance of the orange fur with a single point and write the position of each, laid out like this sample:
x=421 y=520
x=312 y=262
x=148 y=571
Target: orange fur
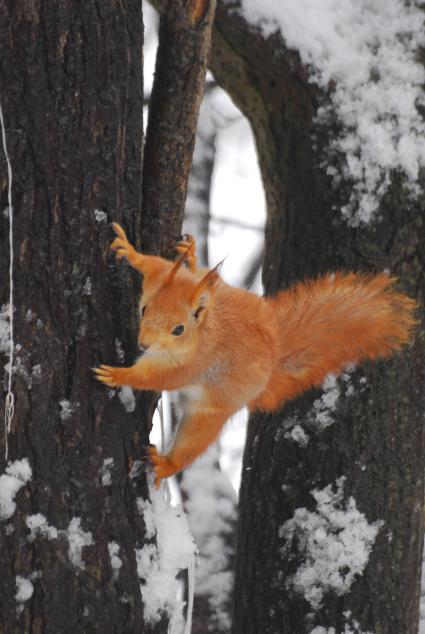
x=240 y=349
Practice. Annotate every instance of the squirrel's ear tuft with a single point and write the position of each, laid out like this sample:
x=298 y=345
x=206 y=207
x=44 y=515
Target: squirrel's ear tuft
x=203 y=292
x=179 y=262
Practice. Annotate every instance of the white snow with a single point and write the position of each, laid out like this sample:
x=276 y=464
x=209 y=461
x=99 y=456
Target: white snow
x=368 y=50
x=298 y=435
x=36 y=372
x=77 y=539
x=108 y=465
x=87 y=288
x=66 y=410
x=347 y=629
x=119 y=350
x=116 y=562
x=211 y=509
x=126 y=396
x=325 y=406
x=5 y=328
x=24 y=589
x=38 y=525
x=335 y=541
x=100 y=216
x=158 y=565
x=17 y=474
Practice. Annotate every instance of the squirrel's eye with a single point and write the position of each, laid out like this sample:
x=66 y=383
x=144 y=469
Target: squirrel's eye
x=178 y=330
x=142 y=311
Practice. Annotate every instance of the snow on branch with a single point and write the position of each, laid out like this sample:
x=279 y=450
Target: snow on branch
x=367 y=50
x=335 y=541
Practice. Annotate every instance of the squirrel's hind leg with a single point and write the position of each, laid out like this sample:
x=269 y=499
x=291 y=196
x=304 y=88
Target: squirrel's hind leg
x=195 y=434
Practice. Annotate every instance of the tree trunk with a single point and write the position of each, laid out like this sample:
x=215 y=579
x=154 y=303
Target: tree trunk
x=71 y=91
x=72 y=496
x=376 y=439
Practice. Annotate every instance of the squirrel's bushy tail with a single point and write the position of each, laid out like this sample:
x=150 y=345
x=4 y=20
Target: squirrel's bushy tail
x=332 y=321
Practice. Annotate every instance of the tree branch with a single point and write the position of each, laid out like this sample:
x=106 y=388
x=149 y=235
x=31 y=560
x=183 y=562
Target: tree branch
x=184 y=46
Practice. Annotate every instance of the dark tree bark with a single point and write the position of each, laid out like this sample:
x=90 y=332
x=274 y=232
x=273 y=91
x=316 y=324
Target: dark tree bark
x=377 y=438
x=71 y=91
x=182 y=57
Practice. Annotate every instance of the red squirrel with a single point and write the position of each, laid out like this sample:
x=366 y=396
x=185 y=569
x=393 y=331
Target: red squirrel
x=225 y=348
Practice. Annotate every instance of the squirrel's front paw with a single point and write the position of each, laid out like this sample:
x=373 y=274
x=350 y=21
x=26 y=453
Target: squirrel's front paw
x=121 y=245
x=162 y=465
x=109 y=376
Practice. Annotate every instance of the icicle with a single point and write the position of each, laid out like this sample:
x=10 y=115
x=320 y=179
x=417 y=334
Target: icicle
x=166 y=487
x=190 y=594
x=191 y=568
x=10 y=399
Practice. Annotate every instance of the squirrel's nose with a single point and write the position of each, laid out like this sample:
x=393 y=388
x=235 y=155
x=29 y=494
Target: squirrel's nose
x=142 y=347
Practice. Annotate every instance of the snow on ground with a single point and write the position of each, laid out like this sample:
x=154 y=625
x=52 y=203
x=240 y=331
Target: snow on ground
x=369 y=50
x=335 y=541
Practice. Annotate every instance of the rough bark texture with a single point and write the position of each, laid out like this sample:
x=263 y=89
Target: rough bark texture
x=184 y=46
x=377 y=439
x=71 y=90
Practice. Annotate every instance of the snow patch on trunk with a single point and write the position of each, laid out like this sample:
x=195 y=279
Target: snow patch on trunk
x=335 y=541
x=38 y=526
x=17 y=474
x=367 y=52
x=126 y=396
x=77 y=539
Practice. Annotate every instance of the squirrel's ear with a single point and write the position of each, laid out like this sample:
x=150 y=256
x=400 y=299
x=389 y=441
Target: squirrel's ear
x=202 y=295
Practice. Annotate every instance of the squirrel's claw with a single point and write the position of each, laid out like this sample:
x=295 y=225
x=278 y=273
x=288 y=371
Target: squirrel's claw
x=119 y=231
x=121 y=245
x=162 y=465
x=105 y=374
